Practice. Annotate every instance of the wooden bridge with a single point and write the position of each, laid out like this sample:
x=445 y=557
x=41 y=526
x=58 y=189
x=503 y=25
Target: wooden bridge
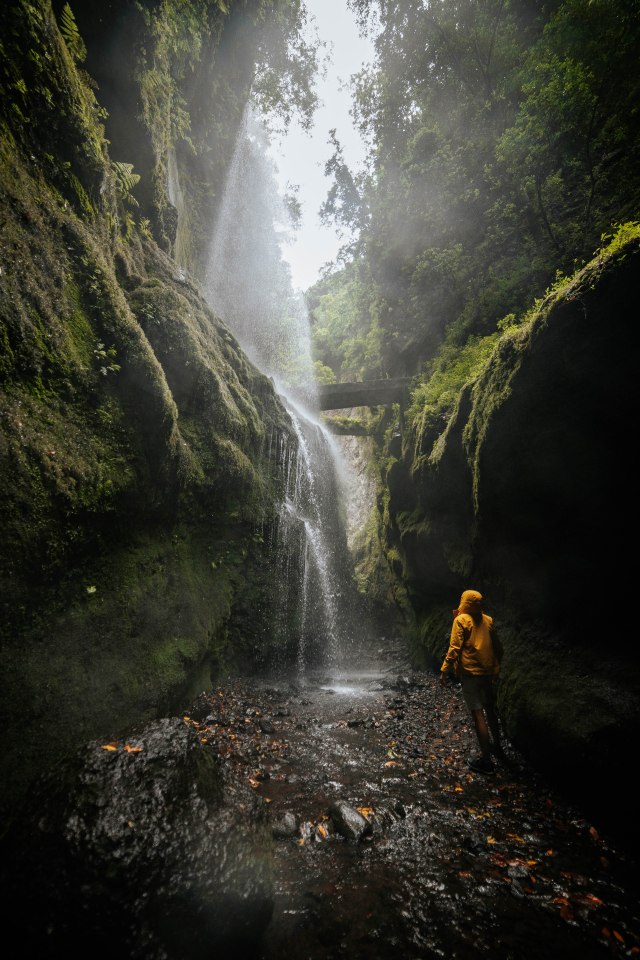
x=367 y=393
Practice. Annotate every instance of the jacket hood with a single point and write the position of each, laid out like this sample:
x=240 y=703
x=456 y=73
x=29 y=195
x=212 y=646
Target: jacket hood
x=471 y=603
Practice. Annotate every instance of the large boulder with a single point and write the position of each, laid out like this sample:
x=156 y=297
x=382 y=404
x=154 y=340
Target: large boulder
x=144 y=849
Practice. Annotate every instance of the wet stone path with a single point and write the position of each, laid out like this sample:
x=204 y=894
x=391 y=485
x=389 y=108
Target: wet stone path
x=449 y=863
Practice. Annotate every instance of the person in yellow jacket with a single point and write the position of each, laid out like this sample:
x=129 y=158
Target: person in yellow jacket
x=474 y=658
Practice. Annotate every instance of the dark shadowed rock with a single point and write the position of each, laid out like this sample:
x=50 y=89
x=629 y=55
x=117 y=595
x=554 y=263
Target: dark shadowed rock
x=348 y=822
x=266 y=726
x=286 y=826
x=145 y=853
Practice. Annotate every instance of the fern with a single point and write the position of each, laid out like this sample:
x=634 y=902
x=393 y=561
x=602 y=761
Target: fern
x=126 y=180
x=71 y=34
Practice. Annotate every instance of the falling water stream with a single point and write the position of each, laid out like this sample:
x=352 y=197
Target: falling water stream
x=249 y=286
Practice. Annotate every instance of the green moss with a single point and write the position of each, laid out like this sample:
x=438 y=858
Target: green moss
x=346 y=426
x=132 y=446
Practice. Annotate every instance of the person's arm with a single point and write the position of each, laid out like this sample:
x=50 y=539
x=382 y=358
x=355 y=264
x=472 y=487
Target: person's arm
x=450 y=662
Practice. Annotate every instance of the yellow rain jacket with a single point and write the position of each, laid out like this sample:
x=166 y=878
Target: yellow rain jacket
x=471 y=647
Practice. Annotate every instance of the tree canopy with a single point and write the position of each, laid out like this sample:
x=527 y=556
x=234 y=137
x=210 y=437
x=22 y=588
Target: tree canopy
x=504 y=141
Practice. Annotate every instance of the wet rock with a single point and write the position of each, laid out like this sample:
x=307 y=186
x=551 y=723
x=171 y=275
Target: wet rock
x=266 y=726
x=348 y=822
x=152 y=853
x=401 y=684
x=201 y=708
x=472 y=844
x=516 y=889
x=286 y=826
x=306 y=830
x=357 y=722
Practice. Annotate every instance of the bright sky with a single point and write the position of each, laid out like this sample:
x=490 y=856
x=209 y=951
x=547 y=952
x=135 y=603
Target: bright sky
x=301 y=156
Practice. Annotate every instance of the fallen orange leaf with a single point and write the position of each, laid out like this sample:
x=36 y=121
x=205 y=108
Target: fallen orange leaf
x=391 y=763
x=589 y=900
x=131 y=749
x=110 y=746
x=618 y=936
x=491 y=840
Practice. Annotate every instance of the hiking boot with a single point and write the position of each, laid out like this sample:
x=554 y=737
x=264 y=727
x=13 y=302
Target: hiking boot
x=482 y=765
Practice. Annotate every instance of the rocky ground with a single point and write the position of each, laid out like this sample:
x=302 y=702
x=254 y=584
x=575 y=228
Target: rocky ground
x=387 y=844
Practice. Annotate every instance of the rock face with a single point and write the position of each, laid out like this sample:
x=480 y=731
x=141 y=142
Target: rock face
x=136 y=472
x=529 y=496
x=141 y=851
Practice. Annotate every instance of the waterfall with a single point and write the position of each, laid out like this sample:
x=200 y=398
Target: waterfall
x=249 y=285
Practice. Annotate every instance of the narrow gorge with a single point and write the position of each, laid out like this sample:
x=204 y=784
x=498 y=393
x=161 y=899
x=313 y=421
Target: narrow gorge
x=224 y=610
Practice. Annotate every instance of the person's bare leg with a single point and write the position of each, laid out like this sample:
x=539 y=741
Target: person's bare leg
x=482 y=732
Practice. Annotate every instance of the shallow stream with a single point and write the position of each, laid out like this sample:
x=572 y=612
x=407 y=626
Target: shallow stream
x=456 y=864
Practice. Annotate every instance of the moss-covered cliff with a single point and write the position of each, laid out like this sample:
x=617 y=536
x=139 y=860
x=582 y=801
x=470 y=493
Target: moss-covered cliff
x=174 y=77
x=528 y=495
x=134 y=435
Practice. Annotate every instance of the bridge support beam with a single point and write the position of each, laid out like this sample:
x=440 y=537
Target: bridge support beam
x=367 y=393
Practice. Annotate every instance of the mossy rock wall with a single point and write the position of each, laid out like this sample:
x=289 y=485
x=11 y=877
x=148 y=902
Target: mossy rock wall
x=174 y=79
x=529 y=496
x=136 y=484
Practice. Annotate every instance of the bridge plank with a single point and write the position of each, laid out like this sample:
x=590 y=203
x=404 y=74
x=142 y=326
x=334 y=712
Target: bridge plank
x=364 y=393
